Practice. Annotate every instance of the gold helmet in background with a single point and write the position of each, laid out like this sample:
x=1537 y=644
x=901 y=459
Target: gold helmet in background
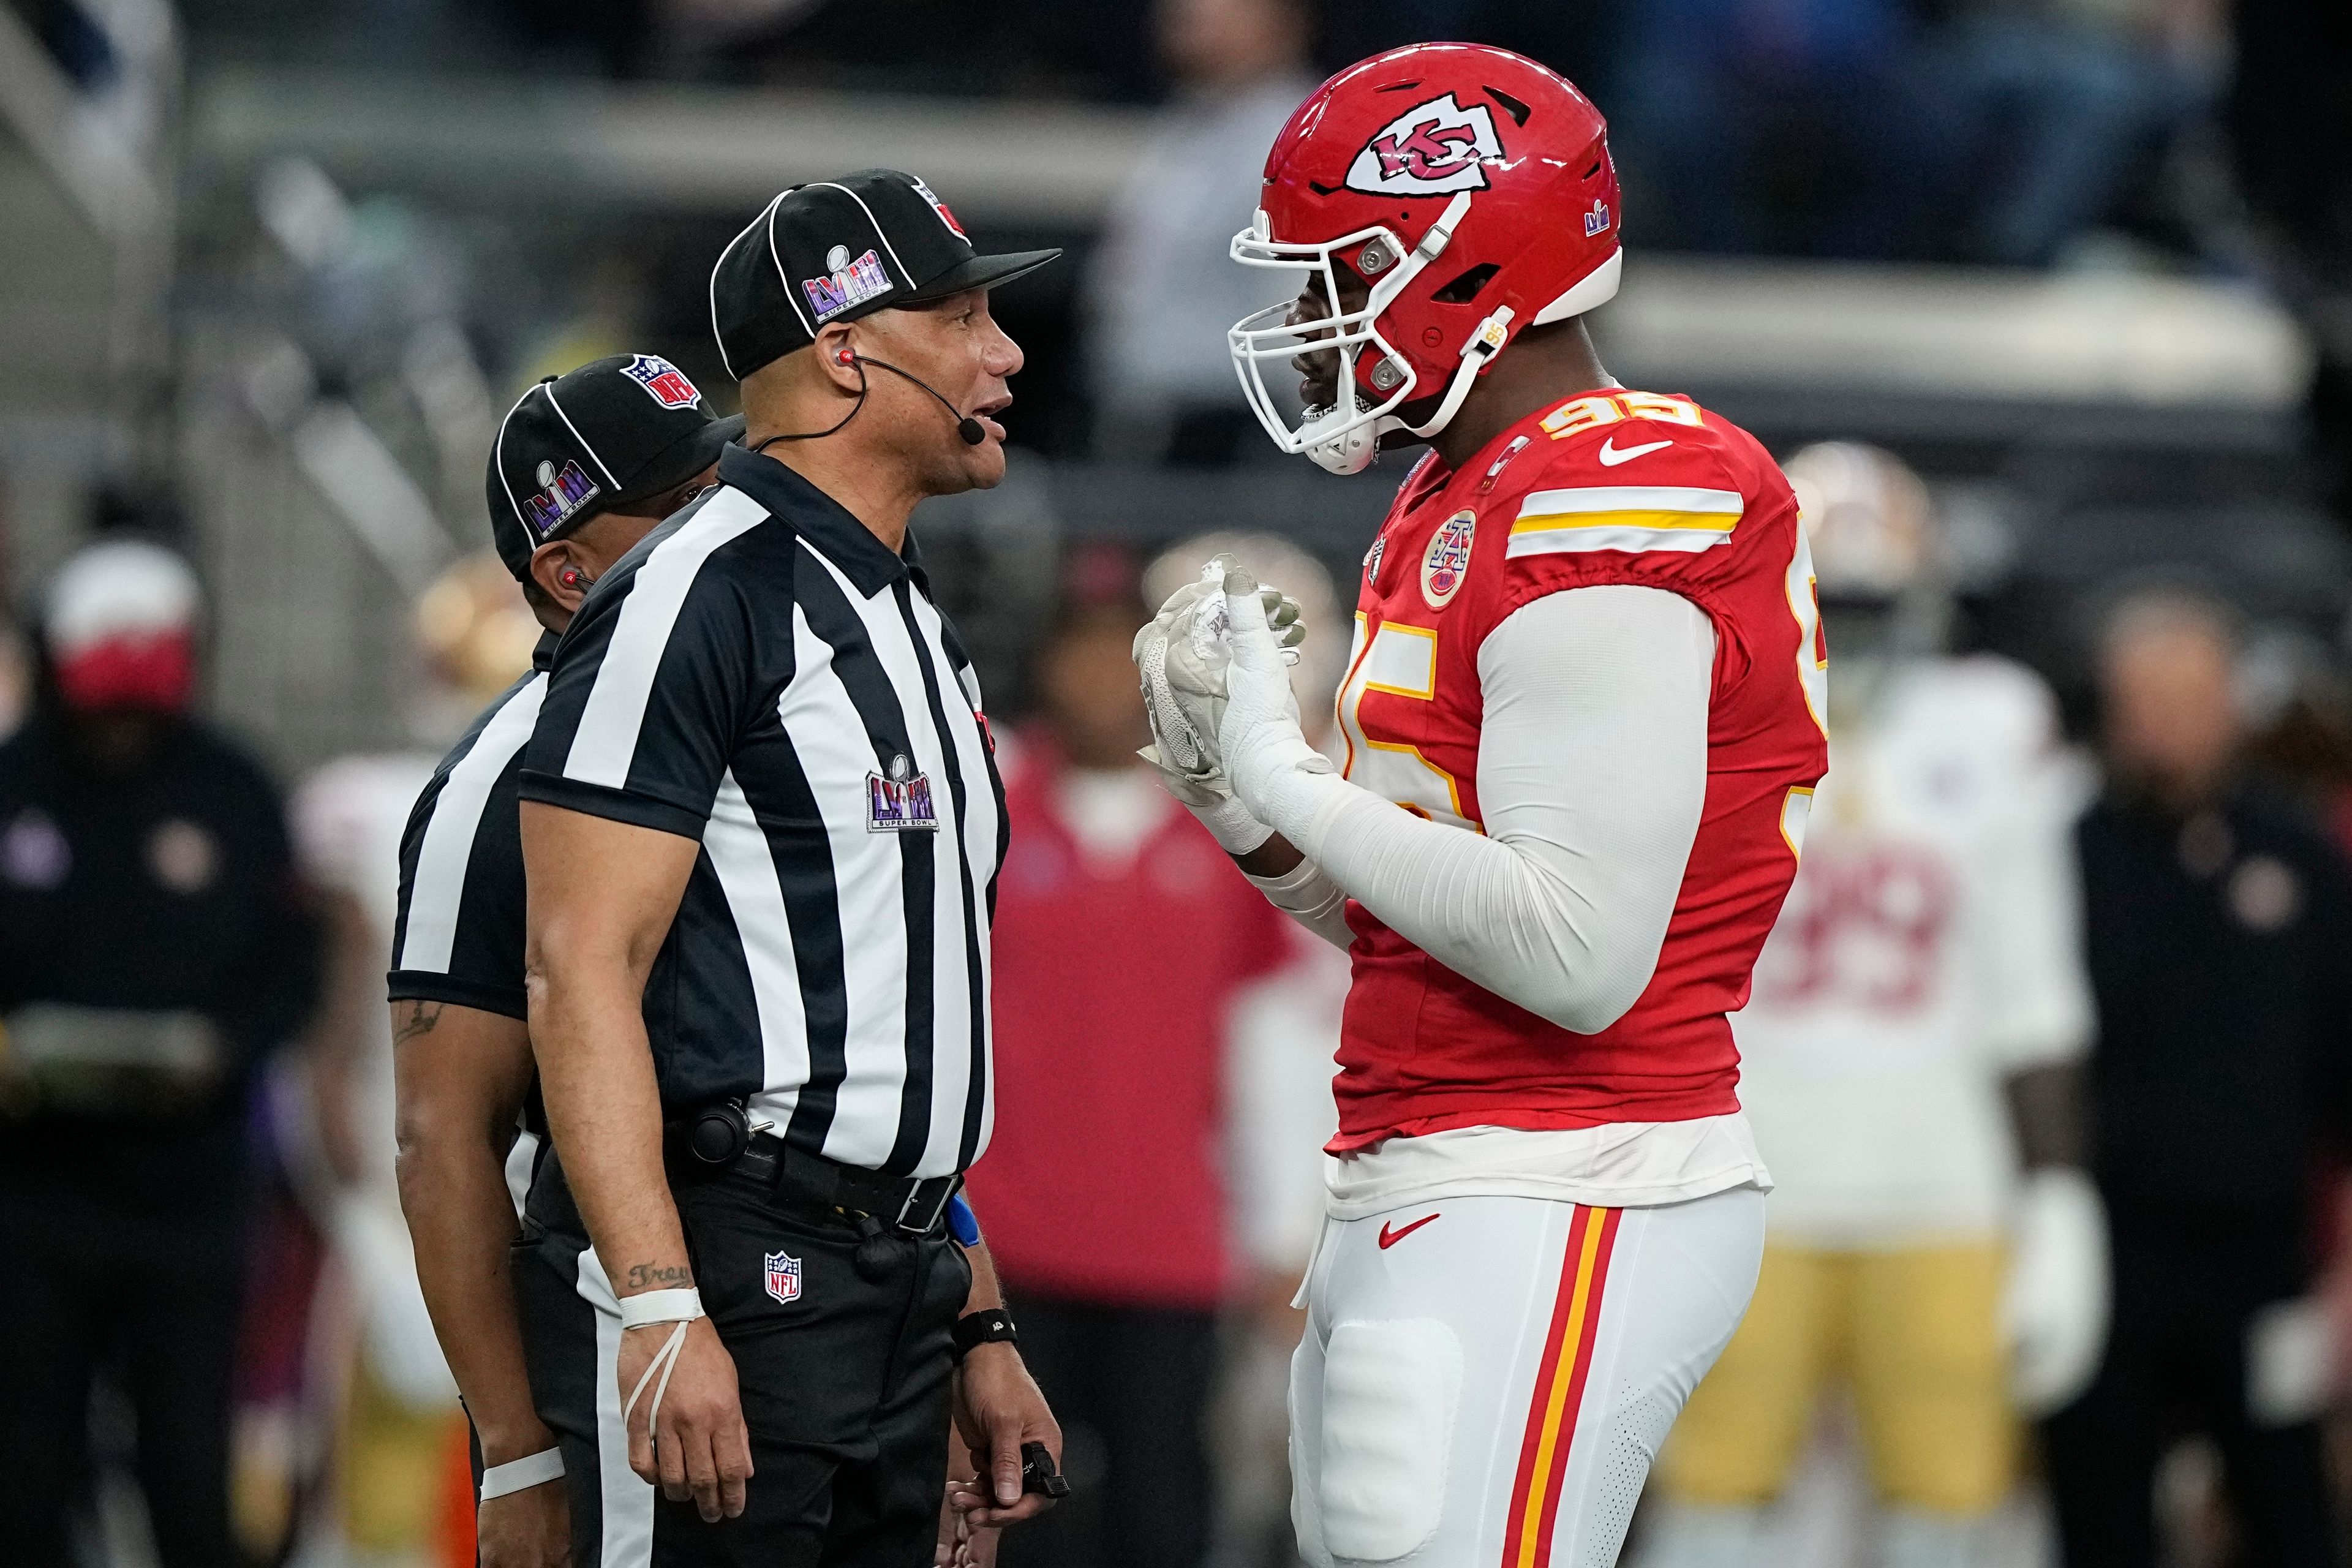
x=474 y=630
x=1868 y=516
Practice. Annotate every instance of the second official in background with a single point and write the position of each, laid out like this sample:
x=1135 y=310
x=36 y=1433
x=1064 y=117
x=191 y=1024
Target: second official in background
x=583 y=467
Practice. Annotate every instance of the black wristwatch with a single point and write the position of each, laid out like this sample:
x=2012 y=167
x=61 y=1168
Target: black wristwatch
x=990 y=1325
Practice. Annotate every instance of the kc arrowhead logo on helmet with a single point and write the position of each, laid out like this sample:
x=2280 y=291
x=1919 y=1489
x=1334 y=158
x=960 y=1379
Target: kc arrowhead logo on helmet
x=1431 y=149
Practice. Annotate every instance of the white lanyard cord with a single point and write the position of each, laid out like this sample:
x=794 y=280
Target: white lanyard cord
x=644 y=1310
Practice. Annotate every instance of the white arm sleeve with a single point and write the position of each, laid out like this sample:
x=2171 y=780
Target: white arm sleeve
x=1591 y=776
x=1308 y=894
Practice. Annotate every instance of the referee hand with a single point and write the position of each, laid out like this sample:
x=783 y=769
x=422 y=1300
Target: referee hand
x=698 y=1446
x=998 y=1408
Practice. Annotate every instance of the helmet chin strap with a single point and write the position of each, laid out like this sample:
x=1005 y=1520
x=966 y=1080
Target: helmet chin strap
x=1353 y=451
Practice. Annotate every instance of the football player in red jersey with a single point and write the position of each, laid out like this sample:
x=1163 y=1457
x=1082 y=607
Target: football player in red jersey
x=1587 y=665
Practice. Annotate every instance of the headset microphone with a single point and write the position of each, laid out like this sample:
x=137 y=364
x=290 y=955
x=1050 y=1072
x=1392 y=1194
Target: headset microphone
x=966 y=426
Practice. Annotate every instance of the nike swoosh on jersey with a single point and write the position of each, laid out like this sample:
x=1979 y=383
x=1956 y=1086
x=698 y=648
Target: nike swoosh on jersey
x=1611 y=457
x=1391 y=1237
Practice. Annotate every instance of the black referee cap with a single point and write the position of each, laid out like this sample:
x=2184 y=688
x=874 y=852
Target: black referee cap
x=839 y=250
x=599 y=438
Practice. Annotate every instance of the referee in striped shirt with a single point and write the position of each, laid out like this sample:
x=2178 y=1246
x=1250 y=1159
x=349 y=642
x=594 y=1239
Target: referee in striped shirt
x=583 y=467
x=761 y=825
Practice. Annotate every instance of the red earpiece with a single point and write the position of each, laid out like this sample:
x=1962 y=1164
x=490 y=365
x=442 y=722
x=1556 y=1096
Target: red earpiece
x=846 y=356
x=572 y=576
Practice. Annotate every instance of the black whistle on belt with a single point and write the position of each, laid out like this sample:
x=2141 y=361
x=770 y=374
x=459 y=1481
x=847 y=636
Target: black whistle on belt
x=1038 y=1474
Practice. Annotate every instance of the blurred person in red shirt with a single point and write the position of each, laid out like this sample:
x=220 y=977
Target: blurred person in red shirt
x=1103 y=1192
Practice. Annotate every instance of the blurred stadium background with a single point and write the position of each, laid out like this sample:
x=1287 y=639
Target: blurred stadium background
x=269 y=274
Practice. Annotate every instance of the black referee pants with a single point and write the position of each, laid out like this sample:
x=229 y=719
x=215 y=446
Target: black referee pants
x=845 y=1379
x=2175 y=1365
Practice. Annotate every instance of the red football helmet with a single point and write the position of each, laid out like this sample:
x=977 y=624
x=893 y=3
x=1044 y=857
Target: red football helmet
x=1471 y=188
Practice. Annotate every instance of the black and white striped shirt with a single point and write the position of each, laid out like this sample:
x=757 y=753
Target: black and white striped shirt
x=763 y=675
x=459 y=935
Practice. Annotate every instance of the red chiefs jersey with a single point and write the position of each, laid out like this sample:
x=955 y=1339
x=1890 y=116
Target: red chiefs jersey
x=1616 y=487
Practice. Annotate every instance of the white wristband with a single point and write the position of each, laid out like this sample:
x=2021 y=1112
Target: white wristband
x=519 y=1475
x=650 y=1307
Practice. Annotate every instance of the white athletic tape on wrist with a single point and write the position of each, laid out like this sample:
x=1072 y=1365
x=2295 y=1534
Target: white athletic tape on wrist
x=521 y=1475
x=646 y=1309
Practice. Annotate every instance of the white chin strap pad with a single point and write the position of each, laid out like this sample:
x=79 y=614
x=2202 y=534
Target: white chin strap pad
x=1351 y=451
x=1390 y=1393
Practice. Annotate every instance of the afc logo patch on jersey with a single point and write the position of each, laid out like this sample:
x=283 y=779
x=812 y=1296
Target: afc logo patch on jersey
x=783 y=1276
x=848 y=282
x=1446 y=565
x=1433 y=149
x=901 y=801
x=664 y=381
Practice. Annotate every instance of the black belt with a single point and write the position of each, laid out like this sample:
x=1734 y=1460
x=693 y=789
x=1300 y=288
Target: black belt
x=828 y=1190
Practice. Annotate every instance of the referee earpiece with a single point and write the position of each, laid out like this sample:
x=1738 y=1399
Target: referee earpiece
x=572 y=578
x=846 y=356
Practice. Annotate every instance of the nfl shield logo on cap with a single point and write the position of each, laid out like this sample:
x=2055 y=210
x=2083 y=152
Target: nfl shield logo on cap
x=783 y=1276
x=664 y=381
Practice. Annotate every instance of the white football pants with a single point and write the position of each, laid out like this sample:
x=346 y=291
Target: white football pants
x=1485 y=1381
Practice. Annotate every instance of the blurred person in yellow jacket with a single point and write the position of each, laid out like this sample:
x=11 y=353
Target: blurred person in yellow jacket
x=1910 y=1053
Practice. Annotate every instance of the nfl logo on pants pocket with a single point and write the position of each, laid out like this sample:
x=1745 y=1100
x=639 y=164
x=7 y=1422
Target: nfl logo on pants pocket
x=783 y=1277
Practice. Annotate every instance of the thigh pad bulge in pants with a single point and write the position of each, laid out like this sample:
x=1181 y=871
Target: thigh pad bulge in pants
x=1389 y=1395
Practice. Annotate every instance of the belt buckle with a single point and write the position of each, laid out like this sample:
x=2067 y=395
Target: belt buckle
x=948 y=1186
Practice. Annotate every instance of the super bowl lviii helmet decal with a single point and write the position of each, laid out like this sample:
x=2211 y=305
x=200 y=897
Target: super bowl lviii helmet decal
x=1471 y=192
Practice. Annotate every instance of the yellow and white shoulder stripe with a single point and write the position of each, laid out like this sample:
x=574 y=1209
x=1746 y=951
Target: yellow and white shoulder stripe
x=1623 y=517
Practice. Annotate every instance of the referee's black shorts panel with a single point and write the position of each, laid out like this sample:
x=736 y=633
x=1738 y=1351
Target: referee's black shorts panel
x=846 y=1388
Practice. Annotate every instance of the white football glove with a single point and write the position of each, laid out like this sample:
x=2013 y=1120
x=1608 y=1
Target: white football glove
x=1259 y=738
x=1181 y=658
x=2054 y=1306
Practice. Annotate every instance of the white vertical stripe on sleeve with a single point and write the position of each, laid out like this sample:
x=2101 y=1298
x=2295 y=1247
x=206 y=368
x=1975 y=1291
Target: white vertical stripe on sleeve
x=746 y=866
x=605 y=743
x=440 y=888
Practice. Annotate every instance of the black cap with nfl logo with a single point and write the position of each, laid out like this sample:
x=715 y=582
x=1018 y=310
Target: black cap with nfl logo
x=839 y=250
x=599 y=438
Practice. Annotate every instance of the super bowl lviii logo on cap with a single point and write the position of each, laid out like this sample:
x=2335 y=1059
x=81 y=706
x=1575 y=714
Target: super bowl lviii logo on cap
x=664 y=381
x=1433 y=149
x=559 y=495
x=847 y=283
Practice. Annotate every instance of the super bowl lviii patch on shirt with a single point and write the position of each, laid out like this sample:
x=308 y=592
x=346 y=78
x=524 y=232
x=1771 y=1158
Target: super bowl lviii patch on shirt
x=900 y=801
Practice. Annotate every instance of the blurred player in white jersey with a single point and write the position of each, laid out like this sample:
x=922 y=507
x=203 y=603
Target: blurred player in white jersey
x=1909 y=1060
